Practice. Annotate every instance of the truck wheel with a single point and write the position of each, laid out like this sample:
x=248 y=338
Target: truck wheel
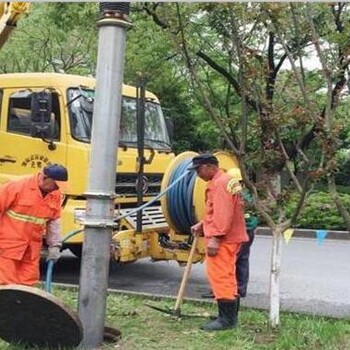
x=76 y=249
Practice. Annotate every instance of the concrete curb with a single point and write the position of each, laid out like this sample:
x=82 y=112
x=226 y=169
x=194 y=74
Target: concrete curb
x=307 y=233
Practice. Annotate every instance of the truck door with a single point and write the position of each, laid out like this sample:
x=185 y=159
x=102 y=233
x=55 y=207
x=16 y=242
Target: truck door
x=20 y=153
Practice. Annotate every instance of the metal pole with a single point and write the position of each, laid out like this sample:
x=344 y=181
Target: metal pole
x=141 y=101
x=102 y=173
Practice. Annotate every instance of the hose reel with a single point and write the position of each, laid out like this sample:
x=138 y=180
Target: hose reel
x=183 y=205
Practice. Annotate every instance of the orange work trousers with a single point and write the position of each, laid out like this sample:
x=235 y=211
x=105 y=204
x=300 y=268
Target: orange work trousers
x=25 y=272
x=221 y=271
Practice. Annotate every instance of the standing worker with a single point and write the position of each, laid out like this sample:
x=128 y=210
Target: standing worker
x=251 y=221
x=224 y=230
x=29 y=207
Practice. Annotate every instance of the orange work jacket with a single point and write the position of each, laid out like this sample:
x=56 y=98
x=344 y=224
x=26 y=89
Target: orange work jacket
x=24 y=213
x=224 y=210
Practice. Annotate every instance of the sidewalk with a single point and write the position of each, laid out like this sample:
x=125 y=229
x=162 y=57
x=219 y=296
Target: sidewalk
x=307 y=233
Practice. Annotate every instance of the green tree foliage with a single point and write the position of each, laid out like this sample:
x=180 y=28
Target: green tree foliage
x=150 y=53
x=53 y=37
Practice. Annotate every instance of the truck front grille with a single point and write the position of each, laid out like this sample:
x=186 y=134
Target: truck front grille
x=152 y=217
x=126 y=184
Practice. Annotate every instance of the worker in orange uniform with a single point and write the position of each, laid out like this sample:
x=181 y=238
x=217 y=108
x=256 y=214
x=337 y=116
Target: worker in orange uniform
x=224 y=230
x=251 y=223
x=29 y=207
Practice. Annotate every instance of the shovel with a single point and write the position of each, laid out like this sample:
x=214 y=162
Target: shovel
x=180 y=295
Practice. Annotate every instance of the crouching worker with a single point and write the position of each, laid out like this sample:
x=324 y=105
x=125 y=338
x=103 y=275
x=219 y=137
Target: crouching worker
x=29 y=207
x=224 y=230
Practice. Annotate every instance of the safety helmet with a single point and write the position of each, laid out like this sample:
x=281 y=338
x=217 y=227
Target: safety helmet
x=235 y=173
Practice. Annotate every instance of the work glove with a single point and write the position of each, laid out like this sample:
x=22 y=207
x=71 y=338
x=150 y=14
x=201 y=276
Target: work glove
x=54 y=253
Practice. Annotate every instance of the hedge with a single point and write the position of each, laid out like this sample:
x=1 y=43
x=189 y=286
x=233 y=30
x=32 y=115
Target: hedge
x=319 y=211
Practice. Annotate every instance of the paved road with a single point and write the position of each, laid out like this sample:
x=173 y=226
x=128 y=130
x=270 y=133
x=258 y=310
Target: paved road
x=314 y=279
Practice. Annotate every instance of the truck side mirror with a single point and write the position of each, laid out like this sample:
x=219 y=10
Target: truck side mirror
x=42 y=124
x=41 y=107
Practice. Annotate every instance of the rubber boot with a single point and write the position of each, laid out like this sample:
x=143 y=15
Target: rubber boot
x=238 y=300
x=227 y=316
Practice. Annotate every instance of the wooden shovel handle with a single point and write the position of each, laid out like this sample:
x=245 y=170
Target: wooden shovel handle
x=185 y=276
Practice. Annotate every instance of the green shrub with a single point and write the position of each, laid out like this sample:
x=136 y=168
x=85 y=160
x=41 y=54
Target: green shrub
x=319 y=211
x=323 y=187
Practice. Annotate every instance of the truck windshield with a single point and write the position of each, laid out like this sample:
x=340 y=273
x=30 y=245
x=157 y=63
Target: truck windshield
x=80 y=106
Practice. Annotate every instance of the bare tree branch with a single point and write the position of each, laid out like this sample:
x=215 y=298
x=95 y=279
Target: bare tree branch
x=151 y=10
x=225 y=74
x=287 y=164
x=325 y=70
x=298 y=46
x=335 y=196
x=244 y=117
x=300 y=202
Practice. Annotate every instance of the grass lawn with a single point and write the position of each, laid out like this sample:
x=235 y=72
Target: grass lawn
x=147 y=329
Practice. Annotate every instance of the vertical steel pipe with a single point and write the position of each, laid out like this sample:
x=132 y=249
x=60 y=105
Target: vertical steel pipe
x=102 y=172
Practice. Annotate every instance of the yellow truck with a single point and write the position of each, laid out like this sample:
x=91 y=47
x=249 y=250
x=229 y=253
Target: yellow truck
x=23 y=151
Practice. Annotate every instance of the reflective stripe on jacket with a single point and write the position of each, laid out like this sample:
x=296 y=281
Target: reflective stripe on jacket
x=24 y=214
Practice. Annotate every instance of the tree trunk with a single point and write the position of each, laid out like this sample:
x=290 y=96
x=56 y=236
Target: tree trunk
x=275 y=277
x=337 y=200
